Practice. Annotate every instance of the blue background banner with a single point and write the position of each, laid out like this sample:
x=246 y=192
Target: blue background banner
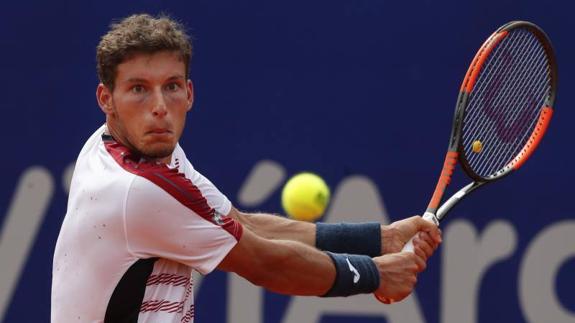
x=359 y=91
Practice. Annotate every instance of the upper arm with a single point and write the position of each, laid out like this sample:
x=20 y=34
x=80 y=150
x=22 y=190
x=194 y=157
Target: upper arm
x=185 y=228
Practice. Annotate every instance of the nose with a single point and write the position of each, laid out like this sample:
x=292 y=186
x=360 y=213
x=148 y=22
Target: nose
x=159 y=108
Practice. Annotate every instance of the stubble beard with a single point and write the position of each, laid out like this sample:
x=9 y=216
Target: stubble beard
x=156 y=153
x=163 y=150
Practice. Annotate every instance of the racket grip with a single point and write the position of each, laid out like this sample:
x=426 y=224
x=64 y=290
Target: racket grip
x=428 y=216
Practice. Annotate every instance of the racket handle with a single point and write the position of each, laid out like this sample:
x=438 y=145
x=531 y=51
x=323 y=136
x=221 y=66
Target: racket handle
x=427 y=216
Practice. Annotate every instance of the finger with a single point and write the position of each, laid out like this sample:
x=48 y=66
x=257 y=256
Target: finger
x=424 y=225
x=420 y=263
x=383 y=299
x=423 y=247
x=419 y=252
x=427 y=237
x=436 y=235
x=432 y=229
x=418 y=248
x=413 y=282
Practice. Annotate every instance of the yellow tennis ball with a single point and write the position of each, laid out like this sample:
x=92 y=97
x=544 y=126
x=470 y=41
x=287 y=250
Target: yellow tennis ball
x=477 y=146
x=305 y=197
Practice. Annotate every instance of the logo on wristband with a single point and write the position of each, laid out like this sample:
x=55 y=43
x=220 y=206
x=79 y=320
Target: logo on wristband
x=356 y=274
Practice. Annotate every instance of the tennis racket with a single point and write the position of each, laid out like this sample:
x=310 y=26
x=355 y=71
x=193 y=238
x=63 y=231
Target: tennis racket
x=503 y=110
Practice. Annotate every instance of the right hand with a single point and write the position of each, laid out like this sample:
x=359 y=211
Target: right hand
x=398 y=275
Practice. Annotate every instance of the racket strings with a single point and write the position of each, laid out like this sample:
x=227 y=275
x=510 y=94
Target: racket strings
x=504 y=105
x=490 y=70
x=524 y=82
x=521 y=134
x=511 y=129
x=527 y=118
x=487 y=73
x=512 y=132
x=503 y=93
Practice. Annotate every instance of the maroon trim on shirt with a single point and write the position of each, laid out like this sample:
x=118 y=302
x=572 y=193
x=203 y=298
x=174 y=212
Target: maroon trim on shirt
x=168 y=279
x=189 y=315
x=173 y=182
x=162 y=306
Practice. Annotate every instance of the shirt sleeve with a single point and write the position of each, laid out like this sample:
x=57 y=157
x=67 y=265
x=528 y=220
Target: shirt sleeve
x=215 y=198
x=170 y=216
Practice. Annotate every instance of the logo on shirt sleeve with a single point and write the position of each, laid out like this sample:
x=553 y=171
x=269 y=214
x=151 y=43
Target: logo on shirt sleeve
x=218 y=218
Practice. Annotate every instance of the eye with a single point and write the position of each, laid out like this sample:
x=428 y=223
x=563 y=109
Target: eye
x=173 y=86
x=137 y=89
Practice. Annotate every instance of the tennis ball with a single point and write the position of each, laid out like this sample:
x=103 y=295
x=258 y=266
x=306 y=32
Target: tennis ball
x=305 y=197
x=477 y=146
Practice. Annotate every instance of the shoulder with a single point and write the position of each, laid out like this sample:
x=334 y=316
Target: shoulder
x=153 y=178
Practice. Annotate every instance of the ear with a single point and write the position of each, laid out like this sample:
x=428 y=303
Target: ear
x=104 y=97
x=190 y=90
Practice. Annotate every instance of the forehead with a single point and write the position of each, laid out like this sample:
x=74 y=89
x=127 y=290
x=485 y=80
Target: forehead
x=151 y=66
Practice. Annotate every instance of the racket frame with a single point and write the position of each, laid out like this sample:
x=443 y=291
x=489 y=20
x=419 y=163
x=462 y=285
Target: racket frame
x=456 y=151
x=436 y=212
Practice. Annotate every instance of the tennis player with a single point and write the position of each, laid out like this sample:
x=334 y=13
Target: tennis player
x=140 y=218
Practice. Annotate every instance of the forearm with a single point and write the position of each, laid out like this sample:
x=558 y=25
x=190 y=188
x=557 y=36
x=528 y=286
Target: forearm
x=358 y=238
x=299 y=270
x=275 y=227
x=282 y=266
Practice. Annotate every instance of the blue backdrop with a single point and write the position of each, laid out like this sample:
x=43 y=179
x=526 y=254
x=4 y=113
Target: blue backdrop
x=360 y=91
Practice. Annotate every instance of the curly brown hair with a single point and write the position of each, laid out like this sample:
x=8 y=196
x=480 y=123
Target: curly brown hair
x=141 y=33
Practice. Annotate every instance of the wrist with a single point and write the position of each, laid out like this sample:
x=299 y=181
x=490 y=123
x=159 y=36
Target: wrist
x=352 y=238
x=355 y=274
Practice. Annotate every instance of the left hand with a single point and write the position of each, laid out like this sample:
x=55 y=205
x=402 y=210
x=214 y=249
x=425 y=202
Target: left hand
x=395 y=235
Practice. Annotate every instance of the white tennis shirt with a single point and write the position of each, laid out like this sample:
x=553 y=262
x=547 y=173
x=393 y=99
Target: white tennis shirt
x=132 y=234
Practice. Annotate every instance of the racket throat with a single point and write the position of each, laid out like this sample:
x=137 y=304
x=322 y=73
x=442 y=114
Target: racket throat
x=455 y=198
x=431 y=217
x=443 y=182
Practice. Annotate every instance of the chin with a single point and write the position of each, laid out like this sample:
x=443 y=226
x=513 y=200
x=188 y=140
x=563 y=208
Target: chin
x=158 y=150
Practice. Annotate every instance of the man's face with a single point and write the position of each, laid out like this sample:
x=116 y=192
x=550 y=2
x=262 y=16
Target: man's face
x=147 y=109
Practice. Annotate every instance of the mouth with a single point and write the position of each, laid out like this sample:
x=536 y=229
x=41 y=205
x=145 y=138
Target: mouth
x=159 y=131
x=160 y=134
